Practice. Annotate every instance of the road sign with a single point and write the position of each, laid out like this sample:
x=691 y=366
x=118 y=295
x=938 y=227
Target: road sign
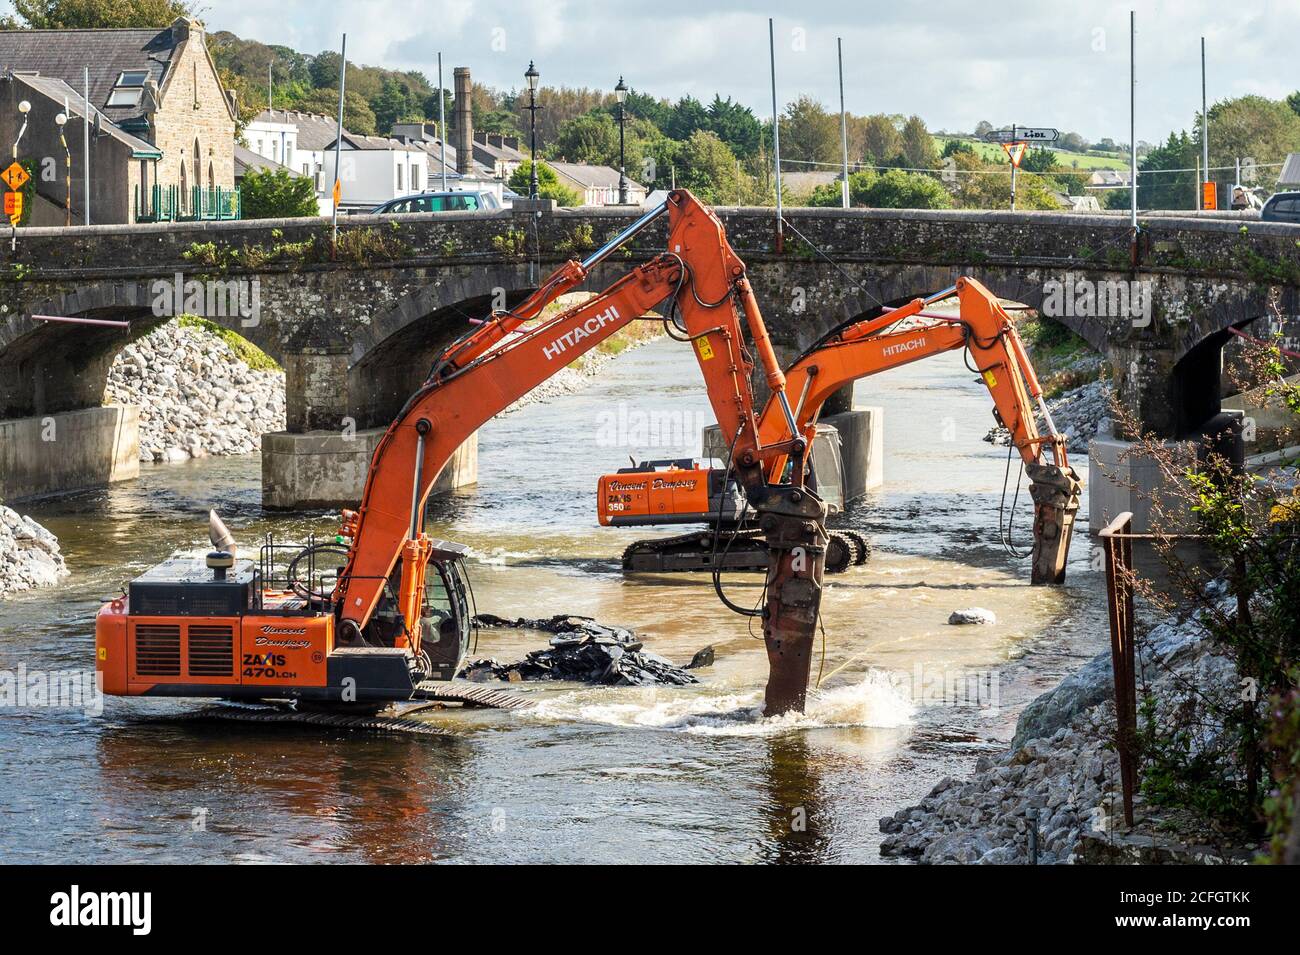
x=1015 y=152
x=1029 y=134
x=1209 y=196
x=14 y=207
x=338 y=193
x=15 y=176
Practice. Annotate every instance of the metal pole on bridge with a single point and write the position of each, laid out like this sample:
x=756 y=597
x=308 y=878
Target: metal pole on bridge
x=85 y=138
x=442 y=124
x=1132 y=124
x=1205 y=127
x=338 y=144
x=776 y=138
x=844 y=128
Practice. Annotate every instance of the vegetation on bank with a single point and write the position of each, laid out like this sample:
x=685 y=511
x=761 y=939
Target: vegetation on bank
x=244 y=350
x=1228 y=765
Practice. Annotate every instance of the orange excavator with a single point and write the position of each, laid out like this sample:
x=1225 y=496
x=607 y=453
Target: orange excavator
x=383 y=616
x=661 y=493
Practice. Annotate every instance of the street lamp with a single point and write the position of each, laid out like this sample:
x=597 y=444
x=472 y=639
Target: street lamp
x=23 y=108
x=531 y=75
x=620 y=93
x=60 y=121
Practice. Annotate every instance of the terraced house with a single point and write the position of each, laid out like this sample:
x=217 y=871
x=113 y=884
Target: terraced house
x=160 y=125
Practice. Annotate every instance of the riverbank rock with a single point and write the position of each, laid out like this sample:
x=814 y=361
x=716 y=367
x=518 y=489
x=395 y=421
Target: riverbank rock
x=1060 y=776
x=972 y=615
x=29 y=554
x=1078 y=414
x=196 y=396
x=582 y=651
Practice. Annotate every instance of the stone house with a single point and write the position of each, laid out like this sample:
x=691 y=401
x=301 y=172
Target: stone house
x=161 y=125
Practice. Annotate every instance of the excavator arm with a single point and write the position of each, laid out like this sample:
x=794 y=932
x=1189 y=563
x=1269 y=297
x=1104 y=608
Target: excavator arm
x=711 y=304
x=981 y=326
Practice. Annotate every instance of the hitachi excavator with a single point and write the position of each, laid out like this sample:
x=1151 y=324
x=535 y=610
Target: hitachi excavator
x=677 y=492
x=391 y=623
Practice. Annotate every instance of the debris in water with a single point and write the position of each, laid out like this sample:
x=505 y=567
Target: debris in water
x=972 y=615
x=702 y=658
x=582 y=651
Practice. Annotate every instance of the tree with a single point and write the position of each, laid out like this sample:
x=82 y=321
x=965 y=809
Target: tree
x=277 y=194
x=880 y=139
x=1252 y=127
x=709 y=169
x=917 y=144
x=548 y=184
x=736 y=125
x=1041 y=159
x=1160 y=186
x=687 y=116
x=91 y=14
x=591 y=138
x=357 y=116
x=896 y=189
x=983 y=128
x=809 y=133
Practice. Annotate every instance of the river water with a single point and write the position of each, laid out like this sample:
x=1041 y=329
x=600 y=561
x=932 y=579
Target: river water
x=611 y=774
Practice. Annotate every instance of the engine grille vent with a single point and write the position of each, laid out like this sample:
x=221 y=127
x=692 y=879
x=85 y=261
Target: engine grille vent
x=211 y=651
x=158 y=650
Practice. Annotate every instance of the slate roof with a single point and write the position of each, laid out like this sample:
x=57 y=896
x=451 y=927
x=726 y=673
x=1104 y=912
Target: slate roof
x=587 y=176
x=60 y=92
x=62 y=54
x=315 y=132
x=246 y=159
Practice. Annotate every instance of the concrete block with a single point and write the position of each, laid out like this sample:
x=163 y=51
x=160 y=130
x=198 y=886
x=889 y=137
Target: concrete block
x=848 y=454
x=1119 y=479
x=69 y=451
x=325 y=469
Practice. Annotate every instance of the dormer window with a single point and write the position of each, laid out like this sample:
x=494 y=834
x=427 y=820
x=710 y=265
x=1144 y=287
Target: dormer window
x=128 y=88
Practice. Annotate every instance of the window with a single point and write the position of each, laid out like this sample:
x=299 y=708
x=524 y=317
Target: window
x=128 y=88
x=399 y=178
x=415 y=177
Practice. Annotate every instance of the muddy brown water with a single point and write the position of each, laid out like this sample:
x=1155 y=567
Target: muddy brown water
x=609 y=774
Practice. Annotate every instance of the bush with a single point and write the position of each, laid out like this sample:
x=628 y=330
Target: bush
x=548 y=184
x=277 y=194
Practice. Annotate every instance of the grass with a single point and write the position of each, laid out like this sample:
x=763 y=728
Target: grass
x=991 y=152
x=244 y=350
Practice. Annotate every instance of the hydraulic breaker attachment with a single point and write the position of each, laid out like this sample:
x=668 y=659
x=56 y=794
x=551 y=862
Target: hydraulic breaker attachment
x=793 y=521
x=1055 y=491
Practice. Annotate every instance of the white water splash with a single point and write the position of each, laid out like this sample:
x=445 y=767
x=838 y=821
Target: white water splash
x=880 y=701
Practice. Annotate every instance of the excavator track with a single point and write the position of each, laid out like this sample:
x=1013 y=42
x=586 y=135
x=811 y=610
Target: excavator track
x=736 y=550
x=348 y=721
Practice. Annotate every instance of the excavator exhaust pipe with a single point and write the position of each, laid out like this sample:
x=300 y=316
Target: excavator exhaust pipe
x=1055 y=492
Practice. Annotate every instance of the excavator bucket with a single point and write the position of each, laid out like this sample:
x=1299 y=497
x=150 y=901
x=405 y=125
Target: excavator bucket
x=1055 y=492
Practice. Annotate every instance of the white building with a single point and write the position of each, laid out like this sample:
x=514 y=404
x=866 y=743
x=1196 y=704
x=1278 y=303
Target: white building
x=597 y=185
x=374 y=169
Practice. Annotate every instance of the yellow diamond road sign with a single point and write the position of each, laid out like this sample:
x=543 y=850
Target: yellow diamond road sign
x=15 y=176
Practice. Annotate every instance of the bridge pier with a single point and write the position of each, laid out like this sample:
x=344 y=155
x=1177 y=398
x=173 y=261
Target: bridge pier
x=323 y=457
x=68 y=451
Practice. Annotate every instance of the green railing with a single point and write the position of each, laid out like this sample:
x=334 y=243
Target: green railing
x=164 y=204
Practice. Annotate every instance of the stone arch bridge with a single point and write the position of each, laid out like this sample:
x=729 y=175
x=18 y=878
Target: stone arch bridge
x=356 y=329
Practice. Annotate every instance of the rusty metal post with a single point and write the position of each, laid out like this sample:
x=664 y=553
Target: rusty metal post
x=1117 y=540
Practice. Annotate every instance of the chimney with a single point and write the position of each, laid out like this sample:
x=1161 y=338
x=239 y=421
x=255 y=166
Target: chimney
x=464 y=143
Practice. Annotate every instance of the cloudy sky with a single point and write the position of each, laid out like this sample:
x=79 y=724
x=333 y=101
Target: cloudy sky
x=1045 y=62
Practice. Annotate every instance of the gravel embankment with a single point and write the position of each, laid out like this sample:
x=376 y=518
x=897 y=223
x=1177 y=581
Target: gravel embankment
x=1078 y=414
x=196 y=396
x=1061 y=768
x=29 y=554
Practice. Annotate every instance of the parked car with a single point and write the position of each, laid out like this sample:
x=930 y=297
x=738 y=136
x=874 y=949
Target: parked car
x=440 y=202
x=1282 y=207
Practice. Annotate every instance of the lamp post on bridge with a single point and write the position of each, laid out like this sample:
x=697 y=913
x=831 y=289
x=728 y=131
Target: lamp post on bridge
x=620 y=93
x=60 y=121
x=532 y=76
